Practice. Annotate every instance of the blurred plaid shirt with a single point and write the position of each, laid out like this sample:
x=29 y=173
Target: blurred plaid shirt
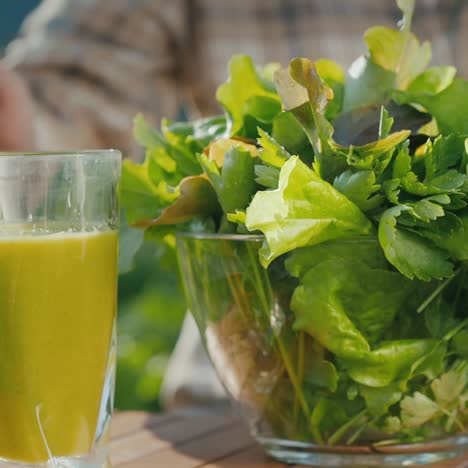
x=92 y=65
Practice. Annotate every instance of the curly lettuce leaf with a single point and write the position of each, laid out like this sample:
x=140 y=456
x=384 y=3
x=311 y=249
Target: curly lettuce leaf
x=394 y=59
x=168 y=157
x=365 y=249
x=334 y=76
x=399 y=52
x=338 y=290
x=247 y=93
x=390 y=362
x=306 y=95
x=195 y=197
x=303 y=210
x=272 y=153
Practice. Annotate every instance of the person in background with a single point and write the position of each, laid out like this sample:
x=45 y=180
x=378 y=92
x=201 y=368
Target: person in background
x=81 y=70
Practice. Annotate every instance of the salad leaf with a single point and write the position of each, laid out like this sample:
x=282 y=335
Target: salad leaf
x=235 y=183
x=399 y=52
x=359 y=187
x=433 y=80
x=218 y=148
x=325 y=320
x=196 y=197
x=411 y=254
x=272 y=152
x=449 y=400
x=445 y=153
x=141 y=197
x=417 y=410
x=448 y=106
x=451 y=234
x=367 y=84
x=380 y=399
x=361 y=125
x=246 y=93
x=450 y=385
x=349 y=289
x=366 y=249
x=305 y=94
x=390 y=362
x=320 y=371
x=288 y=133
x=130 y=241
x=334 y=76
x=267 y=176
x=303 y=210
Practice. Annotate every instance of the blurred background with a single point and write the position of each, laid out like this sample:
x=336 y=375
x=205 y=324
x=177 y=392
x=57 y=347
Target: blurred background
x=151 y=306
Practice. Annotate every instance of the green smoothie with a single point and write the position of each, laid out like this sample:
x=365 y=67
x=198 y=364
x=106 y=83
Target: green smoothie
x=57 y=309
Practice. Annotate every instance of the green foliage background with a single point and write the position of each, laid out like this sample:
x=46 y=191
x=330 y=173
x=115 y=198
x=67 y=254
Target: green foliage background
x=151 y=310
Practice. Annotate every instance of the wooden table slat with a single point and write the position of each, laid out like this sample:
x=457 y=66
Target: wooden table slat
x=192 y=439
x=151 y=438
x=132 y=421
x=253 y=457
x=196 y=453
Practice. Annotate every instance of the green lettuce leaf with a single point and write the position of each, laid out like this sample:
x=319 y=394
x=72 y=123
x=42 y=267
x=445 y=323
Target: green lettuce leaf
x=303 y=210
x=140 y=196
x=433 y=80
x=247 y=93
x=399 y=52
x=267 y=176
x=365 y=249
x=413 y=255
x=234 y=182
x=448 y=106
x=390 y=362
x=195 y=197
x=272 y=153
x=334 y=76
x=380 y=399
x=339 y=292
x=367 y=84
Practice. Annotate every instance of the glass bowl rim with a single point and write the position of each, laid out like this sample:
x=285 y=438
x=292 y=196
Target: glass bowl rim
x=259 y=237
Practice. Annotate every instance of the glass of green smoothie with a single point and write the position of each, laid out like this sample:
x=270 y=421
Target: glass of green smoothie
x=59 y=217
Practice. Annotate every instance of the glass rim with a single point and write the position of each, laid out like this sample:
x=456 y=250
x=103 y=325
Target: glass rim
x=86 y=153
x=259 y=237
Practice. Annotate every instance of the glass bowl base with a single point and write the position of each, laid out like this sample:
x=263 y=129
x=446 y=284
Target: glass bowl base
x=390 y=457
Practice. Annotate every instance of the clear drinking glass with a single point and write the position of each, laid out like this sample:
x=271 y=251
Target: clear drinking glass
x=59 y=217
x=291 y=389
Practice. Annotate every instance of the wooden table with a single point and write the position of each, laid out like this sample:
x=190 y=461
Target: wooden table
x=191 y=438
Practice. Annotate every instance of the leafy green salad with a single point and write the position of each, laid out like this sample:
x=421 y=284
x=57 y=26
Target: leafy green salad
x=358 y=182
